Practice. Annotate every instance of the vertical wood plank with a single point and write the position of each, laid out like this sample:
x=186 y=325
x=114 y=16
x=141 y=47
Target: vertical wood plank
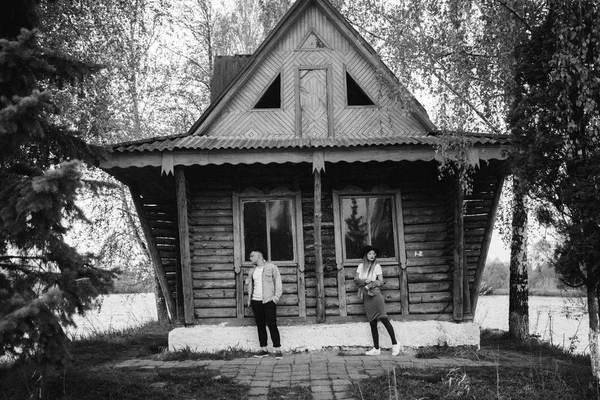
x=301 y=294
x=298 y=106
x=485 y=245
x=178 y=283
x=237 y=256
x=329 y=85
x=319 y=248
x=300 y=254
x=459 y=240
x=339 y=256
x=341 y=281
x=401 y=248
x=153 y=250
x=184 y=245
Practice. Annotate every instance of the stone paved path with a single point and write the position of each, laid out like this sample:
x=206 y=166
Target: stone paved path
x=328 y=373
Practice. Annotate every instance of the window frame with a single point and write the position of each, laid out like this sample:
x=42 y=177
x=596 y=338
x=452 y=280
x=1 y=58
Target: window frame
x=339 y=228
x=264 y=91
x=366 y=92
x=255 y=195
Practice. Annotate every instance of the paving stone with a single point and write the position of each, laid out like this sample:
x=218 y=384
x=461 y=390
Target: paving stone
x=340 y=382
x=255 y=391
x=260 y=383
x=343 y=396
x=322 y=396
x=316 y=388
x=281 y=384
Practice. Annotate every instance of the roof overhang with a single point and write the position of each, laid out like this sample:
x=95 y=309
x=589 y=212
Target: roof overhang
x=169 y=159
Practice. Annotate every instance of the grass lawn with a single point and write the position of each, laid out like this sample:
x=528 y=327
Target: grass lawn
x=551 y=374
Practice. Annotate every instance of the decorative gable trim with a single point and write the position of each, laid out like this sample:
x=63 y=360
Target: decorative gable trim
x=312 y=41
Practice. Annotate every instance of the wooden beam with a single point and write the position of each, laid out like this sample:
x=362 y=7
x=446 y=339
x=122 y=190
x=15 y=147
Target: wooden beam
x=237 y=256
x=342 y=295
x=319 y=248
x=300 y=251
x=485 y=245
x=402 y=276
x=184 y=245
x=153 y=250
x=459 y=256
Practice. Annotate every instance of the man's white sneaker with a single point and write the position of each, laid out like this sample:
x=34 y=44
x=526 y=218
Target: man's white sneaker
x=395 y=349
x=373 y=352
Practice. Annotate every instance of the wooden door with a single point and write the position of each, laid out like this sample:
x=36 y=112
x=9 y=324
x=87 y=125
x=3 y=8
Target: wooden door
x=314 y=108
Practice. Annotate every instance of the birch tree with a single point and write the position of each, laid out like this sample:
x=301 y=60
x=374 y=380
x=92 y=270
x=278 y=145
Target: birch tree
x=461 y=54
x=556 y=123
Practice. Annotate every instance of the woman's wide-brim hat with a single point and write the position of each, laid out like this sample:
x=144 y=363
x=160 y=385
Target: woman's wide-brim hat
x=367 y=249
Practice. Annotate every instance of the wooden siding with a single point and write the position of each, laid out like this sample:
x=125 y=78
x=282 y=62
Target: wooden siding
x=388 y=119
x=427 y=205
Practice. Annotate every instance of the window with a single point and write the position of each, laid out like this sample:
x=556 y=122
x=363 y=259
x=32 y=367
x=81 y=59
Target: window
x=367 y=220
x=268 y=225
x=356 y=96
x=271 y=98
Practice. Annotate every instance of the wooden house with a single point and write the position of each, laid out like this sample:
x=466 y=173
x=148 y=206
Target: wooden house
x=310 y=149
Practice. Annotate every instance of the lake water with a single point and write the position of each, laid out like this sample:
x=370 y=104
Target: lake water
x=115 y=312
x=555 y=319
x=560 y=320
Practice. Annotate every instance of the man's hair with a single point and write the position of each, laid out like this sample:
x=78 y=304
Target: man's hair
x=262 y=253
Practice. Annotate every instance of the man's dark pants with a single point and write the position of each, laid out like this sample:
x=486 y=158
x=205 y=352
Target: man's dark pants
x=265 y=314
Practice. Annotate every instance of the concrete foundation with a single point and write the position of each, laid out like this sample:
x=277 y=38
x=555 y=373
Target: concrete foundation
x=411 y=334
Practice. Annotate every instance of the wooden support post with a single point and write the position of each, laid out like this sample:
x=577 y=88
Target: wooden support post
x=237 y=258
x=184 y=245
x=485 y=245
x=159 y=270
x=459 y=249
x=319 y=249
x=402 y=276
x=300 y=252
x=341 y=276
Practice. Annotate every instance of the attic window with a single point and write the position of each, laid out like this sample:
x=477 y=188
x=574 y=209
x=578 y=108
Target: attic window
x=355 y=95
x=271 y=98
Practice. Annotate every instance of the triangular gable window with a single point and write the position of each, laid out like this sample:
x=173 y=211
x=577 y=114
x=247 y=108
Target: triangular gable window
x=356 y=96
x=313 y=42
x=271 y=98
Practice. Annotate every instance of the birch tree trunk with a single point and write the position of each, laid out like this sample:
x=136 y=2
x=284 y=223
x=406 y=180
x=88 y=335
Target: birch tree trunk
x=518 y=308
x=592 y=300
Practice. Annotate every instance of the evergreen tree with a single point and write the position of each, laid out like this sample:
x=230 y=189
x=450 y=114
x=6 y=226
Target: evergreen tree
x=43 y=280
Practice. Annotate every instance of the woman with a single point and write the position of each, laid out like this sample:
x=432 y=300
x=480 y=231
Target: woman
x=369 y=278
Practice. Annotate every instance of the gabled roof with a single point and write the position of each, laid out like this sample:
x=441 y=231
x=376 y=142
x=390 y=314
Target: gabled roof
x=286 y=22
x=195 y=148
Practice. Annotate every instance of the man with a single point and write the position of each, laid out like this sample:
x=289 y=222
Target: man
x=264 y=291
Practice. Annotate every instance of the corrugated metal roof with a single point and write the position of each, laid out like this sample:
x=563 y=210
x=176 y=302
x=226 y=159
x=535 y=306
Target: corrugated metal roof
x=229 y=143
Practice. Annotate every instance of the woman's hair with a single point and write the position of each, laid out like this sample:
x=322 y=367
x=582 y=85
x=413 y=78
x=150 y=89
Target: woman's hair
x=366 y=262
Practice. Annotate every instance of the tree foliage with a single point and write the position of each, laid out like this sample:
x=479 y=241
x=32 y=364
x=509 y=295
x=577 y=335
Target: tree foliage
x=555 y=121
x=43 y=280
x=556 y=126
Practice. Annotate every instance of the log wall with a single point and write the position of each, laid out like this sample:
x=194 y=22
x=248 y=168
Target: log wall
x=427 y=207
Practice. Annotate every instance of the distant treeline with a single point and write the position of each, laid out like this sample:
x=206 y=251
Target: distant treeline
x=133 y=282
x=543 y=280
